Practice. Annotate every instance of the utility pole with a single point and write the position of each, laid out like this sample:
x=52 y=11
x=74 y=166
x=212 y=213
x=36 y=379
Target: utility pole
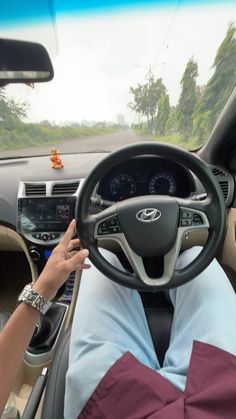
x=149 y=75
x=149 y=69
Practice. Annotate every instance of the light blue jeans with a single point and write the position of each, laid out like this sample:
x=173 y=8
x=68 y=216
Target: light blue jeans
x=109 y=320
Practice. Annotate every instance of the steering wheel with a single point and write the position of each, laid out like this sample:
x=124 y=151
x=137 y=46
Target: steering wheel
x=152 y=225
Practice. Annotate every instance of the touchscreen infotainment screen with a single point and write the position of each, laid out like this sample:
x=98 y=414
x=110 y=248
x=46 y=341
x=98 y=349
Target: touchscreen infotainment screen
x=45 y=214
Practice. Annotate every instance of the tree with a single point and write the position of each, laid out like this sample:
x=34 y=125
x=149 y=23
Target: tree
x=188 y=100
x=18 y=110
x=200 y=126
x=172 y=122
x=146 y=97
x=138 y=104
x=11 y=112
x=163 y=114
x=222 y=82
x=2 y=93
x=3 y=107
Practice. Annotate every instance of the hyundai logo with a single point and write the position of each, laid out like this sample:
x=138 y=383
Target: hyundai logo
x=148 y=215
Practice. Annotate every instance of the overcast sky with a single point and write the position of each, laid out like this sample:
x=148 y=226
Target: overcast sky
x=97 y=58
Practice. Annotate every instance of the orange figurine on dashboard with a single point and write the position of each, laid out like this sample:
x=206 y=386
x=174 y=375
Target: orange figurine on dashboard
x=56 y=159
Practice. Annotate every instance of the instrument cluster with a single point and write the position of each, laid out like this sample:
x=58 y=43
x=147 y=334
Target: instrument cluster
x=145 y=175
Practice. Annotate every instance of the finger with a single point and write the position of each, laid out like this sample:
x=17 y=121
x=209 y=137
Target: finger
x=83 y=266
x=68 y=234
x=77 y=266
x=73 y=243
x=77 y=259
x=81 y=254
x=70 y=254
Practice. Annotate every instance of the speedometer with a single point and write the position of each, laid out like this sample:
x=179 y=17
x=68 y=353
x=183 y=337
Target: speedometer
x=162 y=184
x=122 y=187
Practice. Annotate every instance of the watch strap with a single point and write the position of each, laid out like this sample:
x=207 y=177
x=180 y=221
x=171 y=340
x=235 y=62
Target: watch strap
x=34 y=299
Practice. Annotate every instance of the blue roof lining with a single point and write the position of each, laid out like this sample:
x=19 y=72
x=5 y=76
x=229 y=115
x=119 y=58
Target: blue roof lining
x=28 y=11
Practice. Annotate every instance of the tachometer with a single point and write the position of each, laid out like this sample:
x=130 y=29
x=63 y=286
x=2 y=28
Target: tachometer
x=122 y=187
x=162 y=184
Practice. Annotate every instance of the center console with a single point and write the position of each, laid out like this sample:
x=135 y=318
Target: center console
x=44 y=211
x=43 y=218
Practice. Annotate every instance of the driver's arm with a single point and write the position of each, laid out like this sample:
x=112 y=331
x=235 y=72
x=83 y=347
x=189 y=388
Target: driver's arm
x=16 y=334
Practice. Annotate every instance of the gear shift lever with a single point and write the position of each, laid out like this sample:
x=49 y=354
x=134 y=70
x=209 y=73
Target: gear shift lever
x=47 y=329
x=42 y=329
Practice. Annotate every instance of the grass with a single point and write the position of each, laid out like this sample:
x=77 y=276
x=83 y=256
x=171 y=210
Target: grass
x=33 y=135
x=173 y=138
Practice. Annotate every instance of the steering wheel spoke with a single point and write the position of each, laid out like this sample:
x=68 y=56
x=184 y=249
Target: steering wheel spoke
x=137 y=262
x=138 y=266
x=166 y=279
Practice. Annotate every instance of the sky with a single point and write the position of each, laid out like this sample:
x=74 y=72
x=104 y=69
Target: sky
x=98 y=56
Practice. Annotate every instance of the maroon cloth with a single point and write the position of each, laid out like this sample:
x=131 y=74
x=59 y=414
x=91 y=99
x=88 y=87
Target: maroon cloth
x=131 y=390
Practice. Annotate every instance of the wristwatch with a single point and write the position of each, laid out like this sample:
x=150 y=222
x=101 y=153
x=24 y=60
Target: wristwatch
x=34 y=299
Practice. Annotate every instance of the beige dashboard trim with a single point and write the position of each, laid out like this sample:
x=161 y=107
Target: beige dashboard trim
x=10 y=240
x=228 y=256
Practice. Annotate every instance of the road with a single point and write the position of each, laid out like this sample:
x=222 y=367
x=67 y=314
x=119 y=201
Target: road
x=107 y=142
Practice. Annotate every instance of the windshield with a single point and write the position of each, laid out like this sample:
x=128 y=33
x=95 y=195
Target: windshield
x=160 y=70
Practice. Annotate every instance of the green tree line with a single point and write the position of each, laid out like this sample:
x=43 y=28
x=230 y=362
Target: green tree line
x=16 y=133
x=198 y=107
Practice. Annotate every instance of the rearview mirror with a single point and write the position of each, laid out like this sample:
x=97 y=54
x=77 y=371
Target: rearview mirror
x=24 y=62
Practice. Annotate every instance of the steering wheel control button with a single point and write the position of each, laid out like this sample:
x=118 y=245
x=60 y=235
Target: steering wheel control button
x=109 y=226
x=112 y=222
x=45 y=237
x=189 y=218
x=197 y=219
x=186 y=214
x=114 y=229
x=187 y=222
x=186 y=218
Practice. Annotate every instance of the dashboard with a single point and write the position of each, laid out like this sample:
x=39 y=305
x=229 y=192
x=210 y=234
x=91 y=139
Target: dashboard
x=146 y=175
x=38 y=202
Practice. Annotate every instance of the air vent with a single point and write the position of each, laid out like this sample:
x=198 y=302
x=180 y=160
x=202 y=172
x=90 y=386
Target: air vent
x=218 y=172
x=65 y=188
x=35 y=189
x=224 y=185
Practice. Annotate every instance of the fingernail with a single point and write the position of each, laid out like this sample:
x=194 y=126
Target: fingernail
x=84 y=252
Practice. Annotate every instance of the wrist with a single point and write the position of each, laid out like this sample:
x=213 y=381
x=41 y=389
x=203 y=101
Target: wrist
x=34 y=298
x=42 y=287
